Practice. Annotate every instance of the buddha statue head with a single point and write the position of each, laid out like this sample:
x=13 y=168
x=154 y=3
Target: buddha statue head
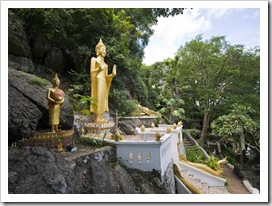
x=100 y=47
x=56 y=81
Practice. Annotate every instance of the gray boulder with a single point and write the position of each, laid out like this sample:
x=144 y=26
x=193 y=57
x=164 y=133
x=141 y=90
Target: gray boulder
x=21 y=63
x=38 y=170
x=18 y=43
x=27 y=106
x=40 y=46
x=54 y=59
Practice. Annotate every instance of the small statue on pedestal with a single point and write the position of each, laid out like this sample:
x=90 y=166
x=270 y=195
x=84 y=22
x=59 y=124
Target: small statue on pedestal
x=55 y=98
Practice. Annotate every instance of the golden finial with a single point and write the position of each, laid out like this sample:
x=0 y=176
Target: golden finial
x=175 y=126
x=168 y=130
x=152 y=125
x=179 y=123
x=158 y=136
x=142 y=128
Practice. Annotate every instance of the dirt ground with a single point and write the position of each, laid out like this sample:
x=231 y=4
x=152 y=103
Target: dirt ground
x=236 y=186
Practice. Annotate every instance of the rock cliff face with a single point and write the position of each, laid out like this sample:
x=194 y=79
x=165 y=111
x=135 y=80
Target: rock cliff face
x=25 y=53
x=27 y=106
x=88 y=171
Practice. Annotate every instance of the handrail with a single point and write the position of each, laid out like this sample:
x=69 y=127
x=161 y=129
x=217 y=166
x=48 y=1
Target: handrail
x=190 y=186
x=199 y=147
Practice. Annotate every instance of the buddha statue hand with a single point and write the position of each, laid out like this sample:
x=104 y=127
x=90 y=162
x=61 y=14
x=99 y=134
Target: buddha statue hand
x=114 y=70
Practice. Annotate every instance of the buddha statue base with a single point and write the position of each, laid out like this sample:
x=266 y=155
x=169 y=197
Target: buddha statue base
x=98 y=129
x=50 y=139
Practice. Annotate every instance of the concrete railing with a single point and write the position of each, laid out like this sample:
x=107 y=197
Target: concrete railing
x=146 y=155
x=177 y=146
x=211 y=180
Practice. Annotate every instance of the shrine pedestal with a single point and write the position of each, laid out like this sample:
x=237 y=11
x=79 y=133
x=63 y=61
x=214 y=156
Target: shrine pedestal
x=98 y=129
x=50 y=140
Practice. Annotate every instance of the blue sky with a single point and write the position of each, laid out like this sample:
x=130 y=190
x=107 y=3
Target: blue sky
x=239 y=25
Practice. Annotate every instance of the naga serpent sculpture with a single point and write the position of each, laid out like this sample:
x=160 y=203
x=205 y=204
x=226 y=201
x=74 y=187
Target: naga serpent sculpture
x=218 y=172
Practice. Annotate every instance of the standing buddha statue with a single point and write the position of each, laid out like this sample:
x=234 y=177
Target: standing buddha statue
x=55 y=97
x=100 y=82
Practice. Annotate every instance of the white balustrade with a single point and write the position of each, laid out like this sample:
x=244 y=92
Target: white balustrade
x=146 y=155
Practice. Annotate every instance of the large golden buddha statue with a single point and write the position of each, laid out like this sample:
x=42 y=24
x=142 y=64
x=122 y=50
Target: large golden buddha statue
x=100 y=82
x=55 y=97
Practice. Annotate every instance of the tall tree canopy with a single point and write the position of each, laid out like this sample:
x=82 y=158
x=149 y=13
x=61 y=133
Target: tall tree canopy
x=125 y=32
x=209 y=76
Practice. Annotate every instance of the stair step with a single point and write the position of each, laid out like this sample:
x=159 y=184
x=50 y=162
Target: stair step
x=197 y=183
x=184 y=173
x=204 y=188
x=190 y=178
x=218 y=190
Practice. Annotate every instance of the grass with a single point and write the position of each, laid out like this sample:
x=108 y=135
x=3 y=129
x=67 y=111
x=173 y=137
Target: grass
x=39 y=81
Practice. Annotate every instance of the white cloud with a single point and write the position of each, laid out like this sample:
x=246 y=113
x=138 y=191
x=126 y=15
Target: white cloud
x=171 y=32
x=221 y=12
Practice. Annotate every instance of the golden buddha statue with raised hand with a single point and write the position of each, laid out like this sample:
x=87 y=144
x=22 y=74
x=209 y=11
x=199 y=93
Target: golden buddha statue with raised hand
x=55 y=97
x=100 y=82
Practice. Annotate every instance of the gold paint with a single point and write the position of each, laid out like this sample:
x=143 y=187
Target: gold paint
x=179 y=123
x=168 y=130
x=55 y=97
x=189 y=185
x=60 y=149
x=100 y=82
x=218 y=172
x=158 y=136
x=142 y=128
x=143 y=111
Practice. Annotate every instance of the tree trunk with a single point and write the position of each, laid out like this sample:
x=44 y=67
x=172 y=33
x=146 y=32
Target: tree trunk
x=242 y=141
x=205 y=125
x=242 y=147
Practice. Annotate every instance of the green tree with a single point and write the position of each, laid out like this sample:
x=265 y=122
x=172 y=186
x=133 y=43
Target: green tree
x=239 y=126
x=125 y=32
x=209 y=76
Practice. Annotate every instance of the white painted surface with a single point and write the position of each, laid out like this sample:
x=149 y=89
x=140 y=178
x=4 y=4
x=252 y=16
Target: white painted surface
x=211 y=180
x=159 y=154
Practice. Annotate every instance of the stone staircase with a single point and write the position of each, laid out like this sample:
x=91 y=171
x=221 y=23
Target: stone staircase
x=187 y=142
x=202 y=185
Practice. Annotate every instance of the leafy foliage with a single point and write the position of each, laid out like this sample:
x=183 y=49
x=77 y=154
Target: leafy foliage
x=239 y=126
x=209 y=76
x=39 y=81
x=193 y=154
x=211 y=162
x=122 y=103
x=18 y=144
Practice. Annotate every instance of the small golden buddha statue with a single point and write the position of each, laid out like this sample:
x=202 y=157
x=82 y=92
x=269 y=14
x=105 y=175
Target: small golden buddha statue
x=55 y=97
x=82 y=131
x=117 y=136
x=100 y=82
x=152 y=125
x=60 y=149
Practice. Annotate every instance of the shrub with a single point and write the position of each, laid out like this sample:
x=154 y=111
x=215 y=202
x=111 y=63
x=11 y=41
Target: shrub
x=39 y=81
x=193 y=154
